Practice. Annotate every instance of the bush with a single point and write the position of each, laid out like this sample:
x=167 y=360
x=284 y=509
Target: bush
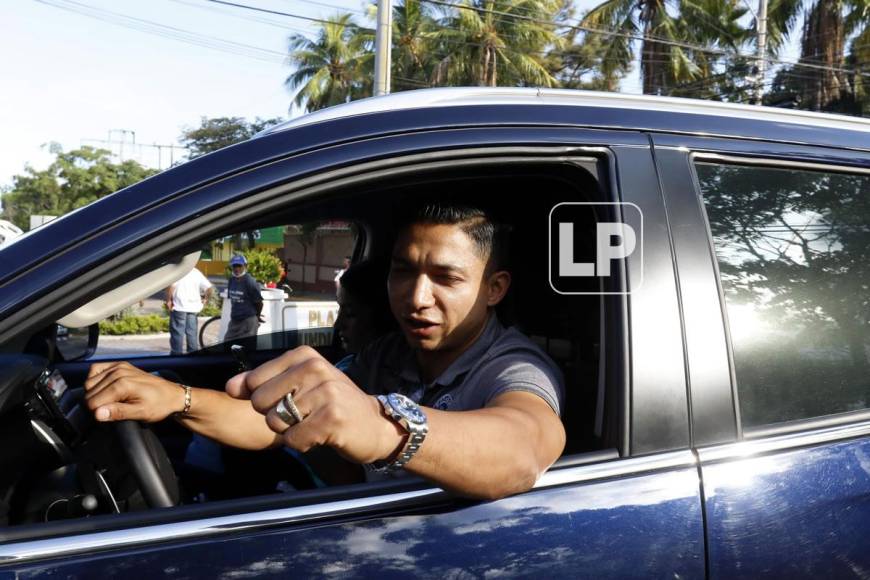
x=213 y=306
x=148 y=324
x=262 y=265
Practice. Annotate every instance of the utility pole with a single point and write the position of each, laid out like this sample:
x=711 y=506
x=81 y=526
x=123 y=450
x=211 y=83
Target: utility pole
x=383 y=40
x=761 y=55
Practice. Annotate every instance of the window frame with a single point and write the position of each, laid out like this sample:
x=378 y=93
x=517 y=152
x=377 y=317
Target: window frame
x=757 y=432
x=376 y=497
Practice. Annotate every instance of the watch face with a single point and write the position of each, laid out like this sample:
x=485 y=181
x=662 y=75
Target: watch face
x=407 y=408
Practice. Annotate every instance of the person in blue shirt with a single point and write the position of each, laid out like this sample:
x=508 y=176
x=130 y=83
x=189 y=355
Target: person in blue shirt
x=247 y=302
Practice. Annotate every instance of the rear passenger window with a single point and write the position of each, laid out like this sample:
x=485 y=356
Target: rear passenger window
x=792 y=247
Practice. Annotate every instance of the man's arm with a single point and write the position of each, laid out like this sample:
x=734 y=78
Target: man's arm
x=208 y=294
x=117 y=391
x=492 y=452
x=169 y=293
x=487 y=453
x=255 y=296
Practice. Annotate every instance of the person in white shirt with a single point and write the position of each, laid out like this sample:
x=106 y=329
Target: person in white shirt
x=185 y=300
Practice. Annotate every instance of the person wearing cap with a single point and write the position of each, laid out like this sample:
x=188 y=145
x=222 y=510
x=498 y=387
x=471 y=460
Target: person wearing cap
x=247 y=302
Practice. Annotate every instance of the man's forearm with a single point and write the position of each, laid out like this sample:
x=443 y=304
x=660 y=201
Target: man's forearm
x=226 y=420
x=487 y=453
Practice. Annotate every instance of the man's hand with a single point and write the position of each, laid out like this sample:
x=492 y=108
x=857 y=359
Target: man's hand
x=117 y=391
x=335 y=412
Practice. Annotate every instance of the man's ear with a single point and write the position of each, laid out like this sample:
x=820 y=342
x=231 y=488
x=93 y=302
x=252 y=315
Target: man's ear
x=497 y=285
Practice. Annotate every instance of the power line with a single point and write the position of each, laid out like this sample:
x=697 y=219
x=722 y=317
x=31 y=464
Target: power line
x=678 y=44
x=251 y=18
x=279 y=13
x=166 y=31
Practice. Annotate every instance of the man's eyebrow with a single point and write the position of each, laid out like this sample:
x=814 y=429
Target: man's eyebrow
x=449 y=268
x=445 y=268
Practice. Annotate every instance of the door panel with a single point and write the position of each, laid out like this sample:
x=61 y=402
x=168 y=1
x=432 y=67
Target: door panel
x=778 y=353
x=636 y=527
x=795 y=513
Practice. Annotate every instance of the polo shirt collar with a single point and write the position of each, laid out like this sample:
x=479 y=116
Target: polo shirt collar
x=493 y=329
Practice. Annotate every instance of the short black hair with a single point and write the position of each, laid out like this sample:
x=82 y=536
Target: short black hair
x=489 y=237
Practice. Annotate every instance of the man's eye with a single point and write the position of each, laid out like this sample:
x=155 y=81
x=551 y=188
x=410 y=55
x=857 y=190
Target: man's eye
x=446 y=279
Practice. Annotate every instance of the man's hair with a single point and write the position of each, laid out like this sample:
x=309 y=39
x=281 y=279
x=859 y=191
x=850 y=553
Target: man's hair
x=489 y=237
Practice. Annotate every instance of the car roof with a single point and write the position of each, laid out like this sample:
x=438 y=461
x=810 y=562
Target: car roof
x=470 y=96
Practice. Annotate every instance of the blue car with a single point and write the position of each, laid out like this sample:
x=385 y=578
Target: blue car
x=699 y=271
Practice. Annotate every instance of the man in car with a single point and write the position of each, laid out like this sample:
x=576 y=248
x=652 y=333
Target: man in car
x=454 y=397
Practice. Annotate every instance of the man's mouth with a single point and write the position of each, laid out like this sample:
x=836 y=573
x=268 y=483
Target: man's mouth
x=420 y=327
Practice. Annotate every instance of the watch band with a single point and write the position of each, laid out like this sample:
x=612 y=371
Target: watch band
x=417 y=431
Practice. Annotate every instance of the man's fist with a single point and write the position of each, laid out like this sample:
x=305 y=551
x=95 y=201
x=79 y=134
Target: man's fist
x=335 y=412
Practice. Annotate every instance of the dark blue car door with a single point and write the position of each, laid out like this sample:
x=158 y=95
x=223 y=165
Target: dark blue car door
x=631 y=511
x=771 y=242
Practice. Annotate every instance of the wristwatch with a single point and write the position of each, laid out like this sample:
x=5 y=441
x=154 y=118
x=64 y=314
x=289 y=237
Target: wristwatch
x=411 y=417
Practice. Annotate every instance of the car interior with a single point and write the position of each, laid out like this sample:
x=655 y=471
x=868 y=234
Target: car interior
x=59 y=467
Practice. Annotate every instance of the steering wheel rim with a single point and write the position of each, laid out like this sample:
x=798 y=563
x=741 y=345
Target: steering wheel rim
x=145 y=454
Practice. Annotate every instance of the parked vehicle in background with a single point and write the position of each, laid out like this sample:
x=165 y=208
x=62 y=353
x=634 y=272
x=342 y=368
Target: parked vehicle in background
x=714 y=348
x=8 y=232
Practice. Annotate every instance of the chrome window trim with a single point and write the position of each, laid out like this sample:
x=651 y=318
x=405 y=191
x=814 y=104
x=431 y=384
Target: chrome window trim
x=755 y=447
x=773 y=163
x=34 y=550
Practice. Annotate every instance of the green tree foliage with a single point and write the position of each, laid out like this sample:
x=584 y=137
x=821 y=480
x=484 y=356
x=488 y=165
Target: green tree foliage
x=691 y=48
x=498 y=42
x=414 y=50
x=670 y=29
x=834 y=35
x=334 y=68
x=219 y=132
x=74 y=179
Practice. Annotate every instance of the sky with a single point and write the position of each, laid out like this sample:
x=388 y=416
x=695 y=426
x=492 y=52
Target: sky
x=72 y=75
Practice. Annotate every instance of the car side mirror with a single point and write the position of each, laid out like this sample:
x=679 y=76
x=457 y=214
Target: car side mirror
x=77 y=343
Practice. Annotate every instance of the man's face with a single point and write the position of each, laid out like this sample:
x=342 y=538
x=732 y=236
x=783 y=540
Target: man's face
x=238 y=269
x=437 y=288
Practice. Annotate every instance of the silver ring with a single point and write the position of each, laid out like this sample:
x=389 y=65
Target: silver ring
x=282 y=412
x=287 y=410
x=291 y=406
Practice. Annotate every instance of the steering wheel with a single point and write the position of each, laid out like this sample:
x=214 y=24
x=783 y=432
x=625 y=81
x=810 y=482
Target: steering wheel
x=150 y=464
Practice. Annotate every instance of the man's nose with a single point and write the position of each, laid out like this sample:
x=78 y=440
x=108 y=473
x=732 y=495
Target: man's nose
x=422 y=294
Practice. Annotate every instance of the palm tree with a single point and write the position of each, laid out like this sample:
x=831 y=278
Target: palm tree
x=670 y=29
x=414 y=31
x=332 y=69
x=497 y=42
x=827 y=27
